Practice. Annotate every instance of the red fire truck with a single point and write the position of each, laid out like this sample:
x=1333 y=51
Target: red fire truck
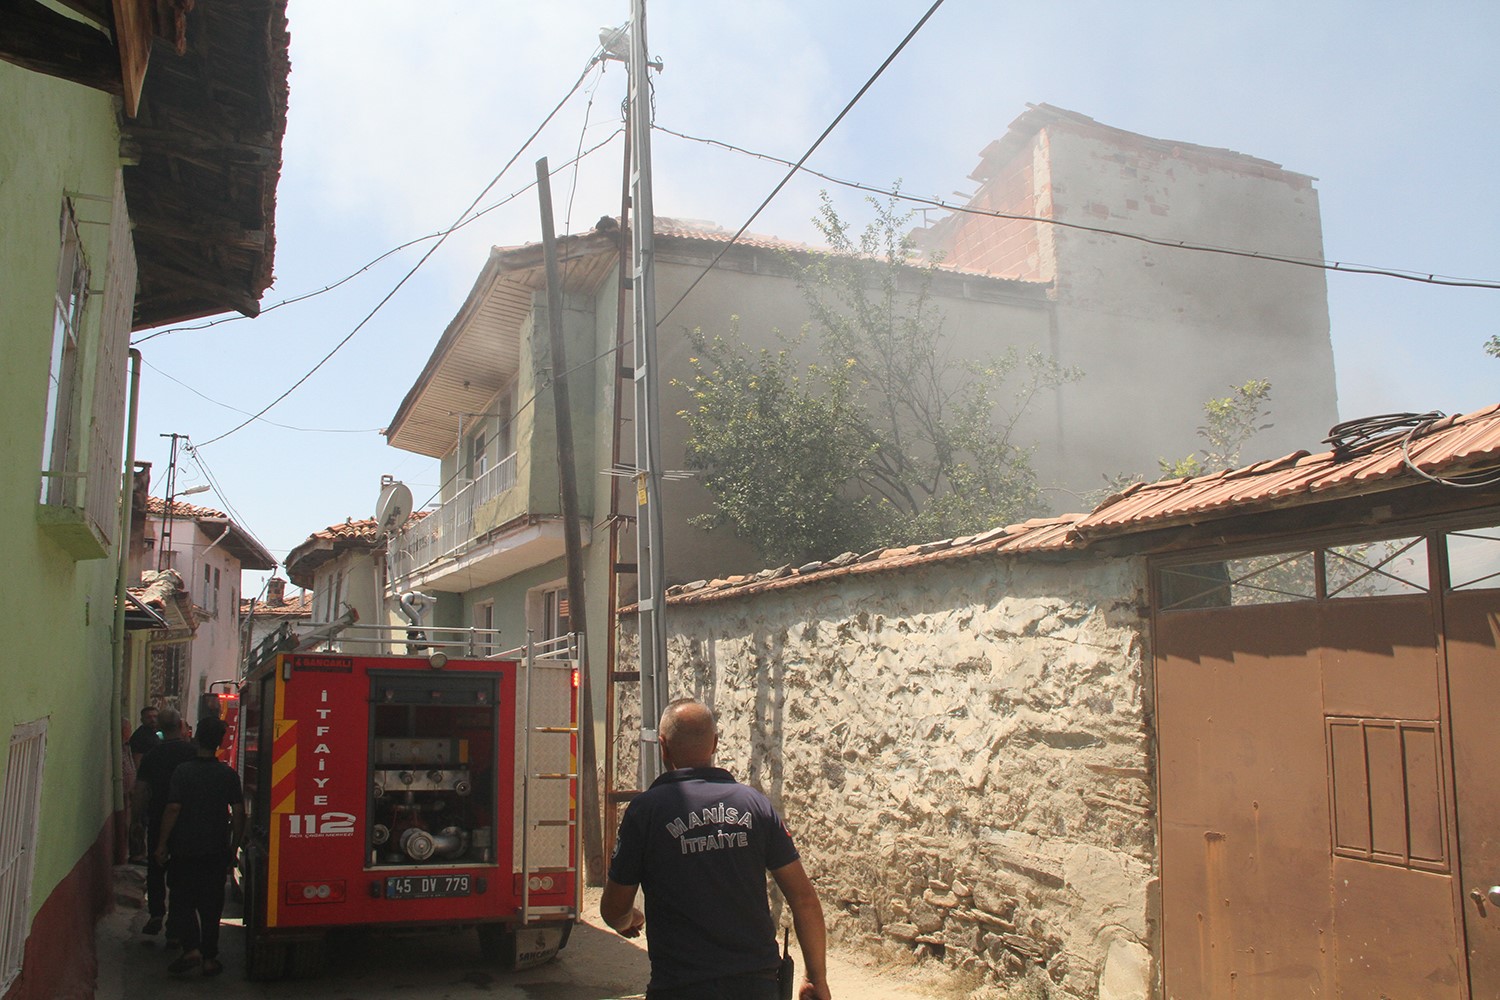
x=435 y=788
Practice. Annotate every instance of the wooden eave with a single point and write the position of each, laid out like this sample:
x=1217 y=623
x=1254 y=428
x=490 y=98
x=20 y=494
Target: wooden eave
x=204 y=158
x=204 y=95
x=480 y=350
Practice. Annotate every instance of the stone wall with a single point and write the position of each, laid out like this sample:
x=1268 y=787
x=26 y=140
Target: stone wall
x=960 y=750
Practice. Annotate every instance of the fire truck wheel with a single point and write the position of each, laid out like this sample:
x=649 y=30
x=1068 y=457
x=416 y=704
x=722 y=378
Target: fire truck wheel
x=497 y=943
x=265 y=960
x=305 y=959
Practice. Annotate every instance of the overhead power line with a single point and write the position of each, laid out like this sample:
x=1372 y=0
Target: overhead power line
x=803 y=159
x=237 y=317
x=1343 y=267
x=415 y=267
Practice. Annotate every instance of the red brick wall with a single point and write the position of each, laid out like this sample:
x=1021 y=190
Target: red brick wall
x=1002 y=247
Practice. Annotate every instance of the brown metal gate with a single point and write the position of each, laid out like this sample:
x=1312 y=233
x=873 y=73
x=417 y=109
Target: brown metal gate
x=1325 y=762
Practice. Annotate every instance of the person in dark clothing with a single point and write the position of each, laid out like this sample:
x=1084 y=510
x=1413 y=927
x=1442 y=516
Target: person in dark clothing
x=145 y=738
x=700 y=844
x=200 y=829
x=152 y=781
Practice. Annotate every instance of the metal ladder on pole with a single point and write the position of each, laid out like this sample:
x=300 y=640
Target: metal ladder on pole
x=550 y=833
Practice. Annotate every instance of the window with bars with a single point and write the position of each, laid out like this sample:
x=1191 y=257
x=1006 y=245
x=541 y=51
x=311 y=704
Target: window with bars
x=19 y=809
x=1386 y=568
x=1474 y=559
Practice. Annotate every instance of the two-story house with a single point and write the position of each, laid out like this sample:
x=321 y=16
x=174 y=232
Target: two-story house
x=207 y=551
x=138 y=166
x=260 y=616
x=1156 y=333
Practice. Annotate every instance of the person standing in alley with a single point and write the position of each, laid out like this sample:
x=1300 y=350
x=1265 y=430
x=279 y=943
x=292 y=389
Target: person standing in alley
x=145 y=738
x=700 y=844
x=152 y=781
x=202 y=825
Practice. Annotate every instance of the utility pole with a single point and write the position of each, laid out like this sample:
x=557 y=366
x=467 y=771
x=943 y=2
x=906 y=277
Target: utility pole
x=567 y=477
x=651 y=601
x=164 y=544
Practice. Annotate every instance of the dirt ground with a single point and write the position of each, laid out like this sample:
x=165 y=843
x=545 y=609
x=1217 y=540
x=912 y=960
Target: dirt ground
x=597 y=964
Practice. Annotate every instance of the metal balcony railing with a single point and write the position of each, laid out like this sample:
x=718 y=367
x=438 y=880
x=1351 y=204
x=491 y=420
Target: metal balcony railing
x=449 y=530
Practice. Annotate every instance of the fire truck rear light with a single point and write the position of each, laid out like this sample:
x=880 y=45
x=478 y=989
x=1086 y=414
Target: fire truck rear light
x=332 y=891
x=541 y=884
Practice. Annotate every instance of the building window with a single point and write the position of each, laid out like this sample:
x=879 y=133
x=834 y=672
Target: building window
x=555 y=613
x=1474 y=559
x=505 y=436
x=19 y=809
x=168 y=671
x=479 y=459
x=61 y=437
x=484 y=621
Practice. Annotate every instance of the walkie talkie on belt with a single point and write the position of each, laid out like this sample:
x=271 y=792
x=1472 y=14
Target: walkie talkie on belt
x=786 y=976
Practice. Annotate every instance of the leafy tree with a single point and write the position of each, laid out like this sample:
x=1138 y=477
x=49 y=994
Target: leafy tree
x=884 y=440
x=777 y=444
x=1492 y=347
x=1229 y=422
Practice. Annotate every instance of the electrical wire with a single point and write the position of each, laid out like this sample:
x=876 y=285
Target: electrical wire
x=289 y=427
x=1343 y=267
x=803 y=159
x=1367 y=434
x=239 y=519
x=415 y=267
x=237 y=317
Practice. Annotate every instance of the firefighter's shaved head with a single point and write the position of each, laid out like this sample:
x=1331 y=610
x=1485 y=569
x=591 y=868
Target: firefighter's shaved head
x=688 y=734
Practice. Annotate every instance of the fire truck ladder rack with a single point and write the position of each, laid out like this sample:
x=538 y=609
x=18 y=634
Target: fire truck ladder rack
x=558 y=746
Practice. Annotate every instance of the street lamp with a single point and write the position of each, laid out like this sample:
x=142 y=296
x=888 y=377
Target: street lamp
x=166 y=530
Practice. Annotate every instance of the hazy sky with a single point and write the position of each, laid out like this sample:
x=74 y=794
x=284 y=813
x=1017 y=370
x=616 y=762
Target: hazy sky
x=402 y=112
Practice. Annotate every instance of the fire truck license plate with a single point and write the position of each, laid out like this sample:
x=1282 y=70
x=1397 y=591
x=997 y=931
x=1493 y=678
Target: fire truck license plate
x=426 y=886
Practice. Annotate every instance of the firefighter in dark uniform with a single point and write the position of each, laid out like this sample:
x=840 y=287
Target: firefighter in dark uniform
x=700 y=844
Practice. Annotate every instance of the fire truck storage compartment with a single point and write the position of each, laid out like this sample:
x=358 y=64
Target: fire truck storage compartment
x=431 y=774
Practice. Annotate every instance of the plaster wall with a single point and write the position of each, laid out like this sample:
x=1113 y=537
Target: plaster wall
x=216 y=641
x=356 y=576
x=961 y=752
x=59 y=139
x=978 y=322
x=1159 y=330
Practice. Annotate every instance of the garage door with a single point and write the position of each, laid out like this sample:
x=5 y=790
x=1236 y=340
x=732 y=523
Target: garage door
x=1324 y=816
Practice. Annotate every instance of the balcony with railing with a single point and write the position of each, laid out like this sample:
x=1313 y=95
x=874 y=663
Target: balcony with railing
x=476 y=537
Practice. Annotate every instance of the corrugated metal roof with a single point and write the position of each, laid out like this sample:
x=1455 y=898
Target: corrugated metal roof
x=1445 y=448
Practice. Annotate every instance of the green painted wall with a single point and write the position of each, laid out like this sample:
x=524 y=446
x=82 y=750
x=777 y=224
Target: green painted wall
x=59 y=138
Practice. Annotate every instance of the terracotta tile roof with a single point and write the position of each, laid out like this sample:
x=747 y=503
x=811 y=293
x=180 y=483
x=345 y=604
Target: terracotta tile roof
x=1450 y=446
x=1447 y=447
x=298 y=606
x=241 y=544
x=303 y=561
x=350 y=529
x=181 y=508
x=710 y=232
x=1037 y=535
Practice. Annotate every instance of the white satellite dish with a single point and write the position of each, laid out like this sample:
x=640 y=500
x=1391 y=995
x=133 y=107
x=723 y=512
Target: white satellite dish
x=393 y=507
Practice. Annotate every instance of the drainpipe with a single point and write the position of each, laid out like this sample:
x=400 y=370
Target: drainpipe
x=127 y=491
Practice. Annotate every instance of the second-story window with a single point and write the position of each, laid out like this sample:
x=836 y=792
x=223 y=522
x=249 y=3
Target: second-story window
x=505 y=436
x=479 y=458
